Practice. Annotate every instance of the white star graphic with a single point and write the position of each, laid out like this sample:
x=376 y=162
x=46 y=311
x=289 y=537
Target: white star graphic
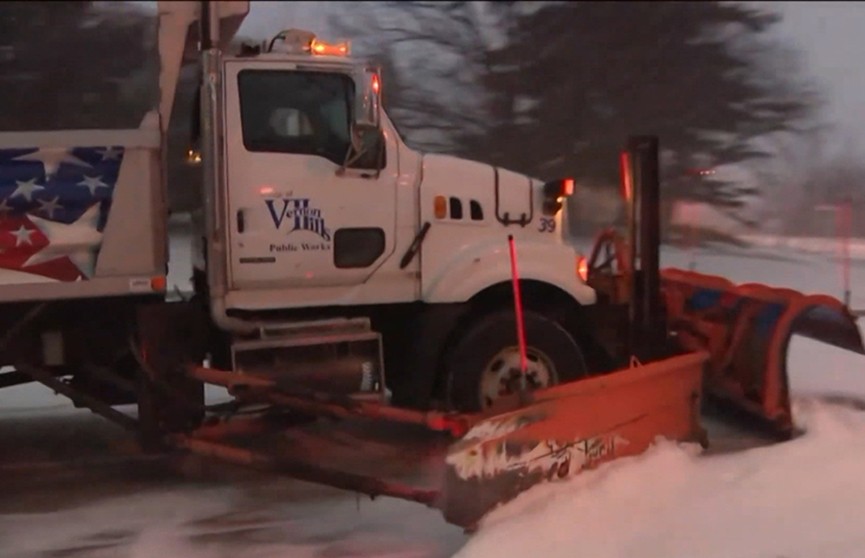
x=22 y=235
x=26 y=189
x=51 y=159
x=78 y=241
x=92 y=183
x=49 y=207
x=5 y=207
x=110 y=154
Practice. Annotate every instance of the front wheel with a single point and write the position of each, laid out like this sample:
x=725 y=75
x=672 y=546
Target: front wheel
x=484 y=364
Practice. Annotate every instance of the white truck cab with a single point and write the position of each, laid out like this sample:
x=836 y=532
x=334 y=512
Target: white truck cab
x=306 y=226
x=314 y=202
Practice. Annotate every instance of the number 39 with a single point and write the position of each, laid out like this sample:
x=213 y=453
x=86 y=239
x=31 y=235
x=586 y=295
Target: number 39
x=547 y=225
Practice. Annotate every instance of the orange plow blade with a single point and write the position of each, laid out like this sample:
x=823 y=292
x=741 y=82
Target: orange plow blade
x=746 y=329
x=568 y=428
x=464 y=465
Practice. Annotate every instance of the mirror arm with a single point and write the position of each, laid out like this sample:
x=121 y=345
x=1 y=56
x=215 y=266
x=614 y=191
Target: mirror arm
x=351 y=155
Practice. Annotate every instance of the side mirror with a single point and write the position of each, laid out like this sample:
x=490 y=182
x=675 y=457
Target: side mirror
x=368 y=148
x=555 y=191
x=367 y=104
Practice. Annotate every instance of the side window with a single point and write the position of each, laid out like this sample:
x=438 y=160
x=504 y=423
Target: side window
x=296 y=112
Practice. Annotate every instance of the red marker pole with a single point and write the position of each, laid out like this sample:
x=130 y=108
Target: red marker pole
x=847 y=231
x=518 y=305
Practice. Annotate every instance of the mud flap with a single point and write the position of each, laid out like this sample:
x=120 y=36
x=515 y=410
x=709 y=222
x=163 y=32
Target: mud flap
x=568 y=428
x=746 y=329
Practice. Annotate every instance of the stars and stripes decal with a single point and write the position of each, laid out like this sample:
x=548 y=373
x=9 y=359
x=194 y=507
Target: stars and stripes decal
x=54 y=204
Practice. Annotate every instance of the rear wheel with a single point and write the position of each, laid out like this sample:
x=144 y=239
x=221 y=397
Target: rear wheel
x=484 y=363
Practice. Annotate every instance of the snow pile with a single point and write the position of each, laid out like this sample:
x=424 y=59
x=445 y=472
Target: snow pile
x=802 y=498
x=830 y=245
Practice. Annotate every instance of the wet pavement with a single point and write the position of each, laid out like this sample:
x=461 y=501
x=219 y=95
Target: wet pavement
x=75 y=486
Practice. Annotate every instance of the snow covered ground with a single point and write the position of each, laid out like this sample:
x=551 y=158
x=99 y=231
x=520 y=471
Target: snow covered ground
x=69 y=490
x=800 y=499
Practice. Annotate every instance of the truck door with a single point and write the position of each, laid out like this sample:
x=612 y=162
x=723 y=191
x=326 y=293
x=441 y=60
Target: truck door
x=294 y=220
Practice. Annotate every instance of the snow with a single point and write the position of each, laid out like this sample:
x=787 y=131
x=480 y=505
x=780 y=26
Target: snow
x=802 y=498
x=827 y=245
x=203 y=522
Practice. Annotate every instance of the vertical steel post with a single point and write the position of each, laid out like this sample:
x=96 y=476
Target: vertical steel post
x=647 y=326
x=205 y=39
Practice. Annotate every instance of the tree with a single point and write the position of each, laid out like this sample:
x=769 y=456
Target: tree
x=808 y=171
x=69 y=65
x=559 y=85
x=428 y=53
x=603 y=70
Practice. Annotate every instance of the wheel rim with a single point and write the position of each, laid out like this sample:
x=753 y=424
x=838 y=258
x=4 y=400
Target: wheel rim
x=501 y=376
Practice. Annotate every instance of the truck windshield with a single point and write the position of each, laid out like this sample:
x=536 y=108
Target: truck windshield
x=296 y=112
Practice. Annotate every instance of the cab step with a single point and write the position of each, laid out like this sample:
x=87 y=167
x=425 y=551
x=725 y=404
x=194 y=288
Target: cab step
x=340 y=356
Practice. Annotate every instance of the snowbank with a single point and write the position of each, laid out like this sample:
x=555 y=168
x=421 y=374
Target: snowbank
x=803 y=498
x=816 y=245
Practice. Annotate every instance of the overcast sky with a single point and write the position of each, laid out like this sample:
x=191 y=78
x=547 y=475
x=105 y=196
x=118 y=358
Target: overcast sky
x=832 y=38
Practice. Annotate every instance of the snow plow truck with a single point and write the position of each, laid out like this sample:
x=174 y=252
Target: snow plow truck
x=362 y=302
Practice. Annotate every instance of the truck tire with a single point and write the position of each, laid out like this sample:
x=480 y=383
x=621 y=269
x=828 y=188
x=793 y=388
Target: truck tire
x=484 y=363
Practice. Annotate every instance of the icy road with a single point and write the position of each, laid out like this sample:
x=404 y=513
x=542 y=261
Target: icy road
x=73 y=488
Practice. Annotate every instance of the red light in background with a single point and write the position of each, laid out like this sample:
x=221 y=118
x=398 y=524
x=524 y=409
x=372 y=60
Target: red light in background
x=375 y=84
x=265 y=190
x=699 y=172
x=568 y=187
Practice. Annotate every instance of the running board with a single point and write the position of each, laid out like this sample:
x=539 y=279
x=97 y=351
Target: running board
x=343 y=356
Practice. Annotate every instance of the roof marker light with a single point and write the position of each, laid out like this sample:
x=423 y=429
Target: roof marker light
x=327 y=49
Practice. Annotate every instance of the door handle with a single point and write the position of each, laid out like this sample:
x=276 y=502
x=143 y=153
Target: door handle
x=241 y=223
x=415 y=246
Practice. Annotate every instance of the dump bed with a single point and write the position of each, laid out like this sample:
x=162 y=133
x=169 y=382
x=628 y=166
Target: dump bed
x=83 y=191
x=82 y=213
